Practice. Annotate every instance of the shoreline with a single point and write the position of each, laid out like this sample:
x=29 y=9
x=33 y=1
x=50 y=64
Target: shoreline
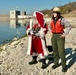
x=12 y=40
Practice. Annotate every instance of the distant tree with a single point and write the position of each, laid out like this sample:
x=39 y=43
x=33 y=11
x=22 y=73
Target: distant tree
x=64 y=9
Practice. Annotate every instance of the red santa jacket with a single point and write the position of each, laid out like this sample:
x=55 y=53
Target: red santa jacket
x=42 y=31
x=39 y=42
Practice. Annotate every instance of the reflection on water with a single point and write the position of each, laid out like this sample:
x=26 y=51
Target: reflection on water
x=17 y=23
x=14 y=28
x=13 y=23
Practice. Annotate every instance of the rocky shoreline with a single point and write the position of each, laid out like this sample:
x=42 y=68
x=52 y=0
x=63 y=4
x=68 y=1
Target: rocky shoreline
x=14 y=61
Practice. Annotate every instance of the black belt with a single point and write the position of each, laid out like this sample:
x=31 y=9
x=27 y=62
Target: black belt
x=57 y=33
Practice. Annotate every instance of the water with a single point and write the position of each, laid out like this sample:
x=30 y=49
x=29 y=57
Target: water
x=11 y=29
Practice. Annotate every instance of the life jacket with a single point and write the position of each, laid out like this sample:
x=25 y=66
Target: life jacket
x=57 y=27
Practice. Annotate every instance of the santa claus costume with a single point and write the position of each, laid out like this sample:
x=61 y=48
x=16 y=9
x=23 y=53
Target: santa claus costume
x=36 y=31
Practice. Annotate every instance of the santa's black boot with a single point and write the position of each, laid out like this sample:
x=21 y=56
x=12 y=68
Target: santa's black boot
x=34 y=60
x=44 y=65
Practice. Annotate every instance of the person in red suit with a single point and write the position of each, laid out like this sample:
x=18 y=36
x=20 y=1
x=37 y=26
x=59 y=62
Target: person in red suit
x=36 y=31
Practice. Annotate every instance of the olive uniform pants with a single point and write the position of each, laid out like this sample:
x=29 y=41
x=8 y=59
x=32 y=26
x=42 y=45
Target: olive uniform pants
x=58 y=49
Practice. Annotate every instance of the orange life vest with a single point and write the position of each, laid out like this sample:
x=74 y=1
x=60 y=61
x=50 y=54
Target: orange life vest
x=58 y=27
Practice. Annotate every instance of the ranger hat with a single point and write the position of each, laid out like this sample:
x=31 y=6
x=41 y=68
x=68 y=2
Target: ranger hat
x=56 y=9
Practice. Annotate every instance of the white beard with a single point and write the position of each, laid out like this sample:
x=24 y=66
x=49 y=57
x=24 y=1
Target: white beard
x=35 y=21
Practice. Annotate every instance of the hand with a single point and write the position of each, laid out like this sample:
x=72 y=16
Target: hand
x=62 y=35
x=37 y=34
x=31 y=32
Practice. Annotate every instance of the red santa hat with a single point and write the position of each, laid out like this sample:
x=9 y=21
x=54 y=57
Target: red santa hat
x=39 y=17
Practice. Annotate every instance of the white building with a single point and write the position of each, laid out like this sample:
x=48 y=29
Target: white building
x=14 y=14
x=23 y=13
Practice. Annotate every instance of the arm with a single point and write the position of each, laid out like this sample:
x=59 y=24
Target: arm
x=49 y=28
x=43 y=30
x=29 y=28
x=29 y=31
x=46 y=28
x=67 y=26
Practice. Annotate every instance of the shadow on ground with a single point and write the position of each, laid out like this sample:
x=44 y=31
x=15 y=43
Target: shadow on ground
x=71 y=56
x=50 y=56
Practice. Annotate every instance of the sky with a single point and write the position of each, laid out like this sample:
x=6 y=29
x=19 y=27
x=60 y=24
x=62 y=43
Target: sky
x=30 y=5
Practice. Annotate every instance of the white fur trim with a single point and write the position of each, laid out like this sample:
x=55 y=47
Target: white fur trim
x=31 y=23
x=44 y=29
x=30 y=38
x=29 y=46
x=28 y=31
x=34 y=14
x=34 y=54
x=44 y=47
x=41 y=32
x=41 y=56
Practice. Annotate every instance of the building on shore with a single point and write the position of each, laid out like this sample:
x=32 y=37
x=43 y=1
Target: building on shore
x=23 y=13
x=14 y=14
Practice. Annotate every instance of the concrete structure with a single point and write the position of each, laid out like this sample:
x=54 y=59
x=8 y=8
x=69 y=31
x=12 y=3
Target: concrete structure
x=14 y=14
x=23 y=13
x=24 y=16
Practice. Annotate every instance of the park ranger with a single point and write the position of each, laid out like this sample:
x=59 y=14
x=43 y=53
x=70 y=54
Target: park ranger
x=57 y=26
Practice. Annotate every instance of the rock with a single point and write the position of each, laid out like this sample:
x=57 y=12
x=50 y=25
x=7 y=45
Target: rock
x=0 y=62
x=15 y=39
x=4 y=47
x=15 y=42
x=3 y=53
